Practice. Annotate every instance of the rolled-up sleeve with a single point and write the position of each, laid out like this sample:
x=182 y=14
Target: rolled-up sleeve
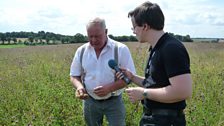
x=75 y=69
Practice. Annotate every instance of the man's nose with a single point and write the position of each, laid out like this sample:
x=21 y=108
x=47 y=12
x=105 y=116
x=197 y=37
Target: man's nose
x=93 y=39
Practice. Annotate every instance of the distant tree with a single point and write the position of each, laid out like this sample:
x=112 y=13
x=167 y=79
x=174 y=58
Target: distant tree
x=67 y=39
x=122 y=38
x=47 y=40
x=7 y=35
x=187 y=38
x=8 y=39
x=111 y=36
x=41 y=34
x=171 y=34
x=26 y=43
x=14 y=40
x=53 y=40
x=179 y=37
x=63 y=40
x=3 y=38
x=20 y=41
x=36 y=40
x=132 y=38
x=79 y=38
x=48 y=36
x=42 y=42
x=30 y=39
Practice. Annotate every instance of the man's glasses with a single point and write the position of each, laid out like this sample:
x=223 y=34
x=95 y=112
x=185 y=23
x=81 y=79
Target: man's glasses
x=133 y=28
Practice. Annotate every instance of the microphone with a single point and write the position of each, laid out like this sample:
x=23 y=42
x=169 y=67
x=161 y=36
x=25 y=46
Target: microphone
x=113 y=65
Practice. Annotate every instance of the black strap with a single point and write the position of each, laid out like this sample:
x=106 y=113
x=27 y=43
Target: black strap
x=82 y=69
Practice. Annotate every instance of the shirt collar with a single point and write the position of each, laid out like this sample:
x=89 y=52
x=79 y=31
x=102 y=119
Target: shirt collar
x=160 y=42
x=109 y=43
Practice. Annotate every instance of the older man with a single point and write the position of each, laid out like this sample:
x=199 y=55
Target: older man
x=91 y=60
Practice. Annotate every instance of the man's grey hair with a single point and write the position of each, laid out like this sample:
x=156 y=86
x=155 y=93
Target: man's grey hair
x=97 y=21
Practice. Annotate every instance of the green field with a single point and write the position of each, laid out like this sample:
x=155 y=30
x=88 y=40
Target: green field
x=35 y=88
x=12 y=46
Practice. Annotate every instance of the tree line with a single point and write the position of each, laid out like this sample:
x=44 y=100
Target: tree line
x=42 y=37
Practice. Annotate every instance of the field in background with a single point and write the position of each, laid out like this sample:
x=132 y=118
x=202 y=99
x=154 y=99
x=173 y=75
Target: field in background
x=35 y=87
x=12 y=46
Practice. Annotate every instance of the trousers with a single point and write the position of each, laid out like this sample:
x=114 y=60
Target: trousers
x=163 y=117
x=113 y=109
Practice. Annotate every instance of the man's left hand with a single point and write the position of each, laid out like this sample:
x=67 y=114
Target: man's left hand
x=101 y=91
x=135 y=94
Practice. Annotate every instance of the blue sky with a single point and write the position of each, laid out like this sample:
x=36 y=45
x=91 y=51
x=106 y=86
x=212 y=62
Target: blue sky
x=197 y=18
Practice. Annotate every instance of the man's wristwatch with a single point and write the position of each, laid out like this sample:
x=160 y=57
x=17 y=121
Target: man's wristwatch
x=144 y=94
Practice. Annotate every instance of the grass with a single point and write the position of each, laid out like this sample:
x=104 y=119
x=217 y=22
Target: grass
x=12 y=46
x=35 y=87
x=206 y=106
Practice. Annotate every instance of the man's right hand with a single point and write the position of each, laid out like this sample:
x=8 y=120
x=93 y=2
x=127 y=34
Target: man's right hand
x=120 y=75
x=81 y=93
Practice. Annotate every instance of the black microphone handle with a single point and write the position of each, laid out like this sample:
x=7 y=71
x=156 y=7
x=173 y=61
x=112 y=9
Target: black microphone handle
x=117 y=69
x=125 y=78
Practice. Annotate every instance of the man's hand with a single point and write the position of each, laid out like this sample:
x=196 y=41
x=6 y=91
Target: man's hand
x=135 y=94
x=101 y=90
x=81 y=93
x=120 y=75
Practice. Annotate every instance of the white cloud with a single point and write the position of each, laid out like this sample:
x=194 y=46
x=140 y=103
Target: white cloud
x=69 y=17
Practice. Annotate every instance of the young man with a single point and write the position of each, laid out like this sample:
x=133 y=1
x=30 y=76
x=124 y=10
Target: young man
x=167 y=82
x=101 y=93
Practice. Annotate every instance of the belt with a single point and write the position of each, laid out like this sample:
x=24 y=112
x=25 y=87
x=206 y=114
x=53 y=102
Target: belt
x=103 y=100
x=166 y=112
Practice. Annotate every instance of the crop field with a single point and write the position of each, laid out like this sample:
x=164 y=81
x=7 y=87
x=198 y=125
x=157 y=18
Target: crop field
x=35 y=89
x=12 y=46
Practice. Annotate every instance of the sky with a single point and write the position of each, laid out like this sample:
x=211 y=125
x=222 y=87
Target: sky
x=197 y=18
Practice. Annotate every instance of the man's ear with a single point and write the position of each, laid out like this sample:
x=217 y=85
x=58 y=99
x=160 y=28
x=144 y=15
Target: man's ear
x=146 y=27
x=106 y=31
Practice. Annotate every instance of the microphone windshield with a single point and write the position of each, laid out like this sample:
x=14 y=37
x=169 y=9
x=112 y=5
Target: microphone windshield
x=112 y=63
